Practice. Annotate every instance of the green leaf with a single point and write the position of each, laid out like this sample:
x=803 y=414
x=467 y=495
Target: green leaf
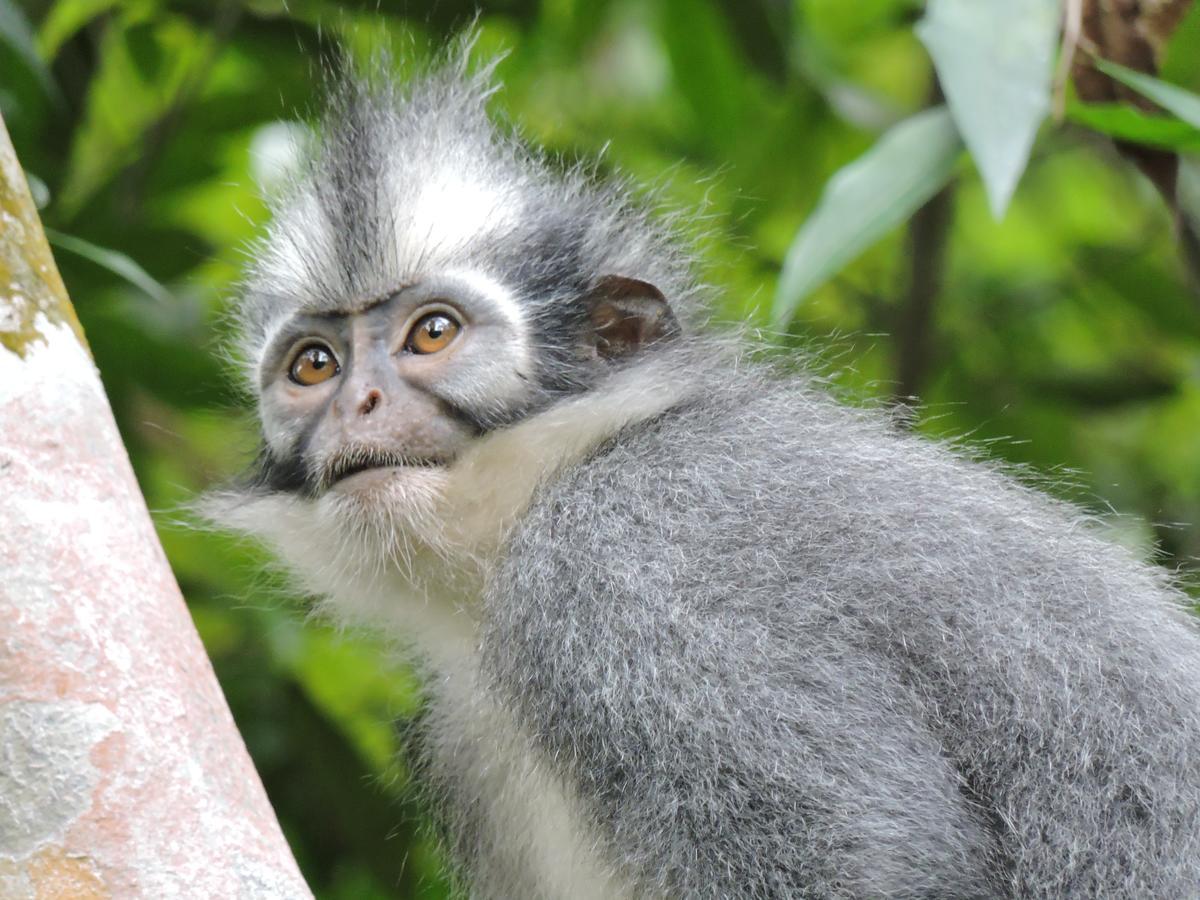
x=1173 y=99
x=144 y=66
x=117 y=263
x=1129 y=123
x=707 y=70
x=996 y=65
x=64 y=19
x=1181 y=61
x=16 y=33
x=1187 y=196
x=867 y=199
x=764 y=29
x=1188 y=193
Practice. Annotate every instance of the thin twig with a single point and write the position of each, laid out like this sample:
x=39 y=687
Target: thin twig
x=1071 y=31
x=927 y=239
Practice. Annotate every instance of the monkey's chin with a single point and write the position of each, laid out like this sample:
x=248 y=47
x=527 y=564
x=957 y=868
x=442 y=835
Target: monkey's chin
x=395 y=509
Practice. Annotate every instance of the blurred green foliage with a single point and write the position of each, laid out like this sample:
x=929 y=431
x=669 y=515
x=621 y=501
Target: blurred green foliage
x=1064 y=337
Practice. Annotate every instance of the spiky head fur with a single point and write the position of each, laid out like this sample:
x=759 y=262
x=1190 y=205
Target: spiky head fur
x=404 y=181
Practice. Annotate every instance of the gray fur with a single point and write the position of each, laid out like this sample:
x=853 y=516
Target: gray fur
x=790 y=651
x=771 y=645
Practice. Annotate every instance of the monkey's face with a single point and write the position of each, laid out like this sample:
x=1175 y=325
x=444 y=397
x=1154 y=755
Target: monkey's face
x=384 y=423
x=378 y=403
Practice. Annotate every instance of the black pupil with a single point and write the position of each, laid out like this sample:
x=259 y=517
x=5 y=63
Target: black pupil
x=317 y=358
x=437 y=326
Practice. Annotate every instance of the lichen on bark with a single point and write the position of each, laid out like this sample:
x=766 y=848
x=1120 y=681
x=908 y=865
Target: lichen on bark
x=29 y=279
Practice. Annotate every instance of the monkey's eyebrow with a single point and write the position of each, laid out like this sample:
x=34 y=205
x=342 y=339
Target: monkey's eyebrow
x=380 y=299
x=325 y=325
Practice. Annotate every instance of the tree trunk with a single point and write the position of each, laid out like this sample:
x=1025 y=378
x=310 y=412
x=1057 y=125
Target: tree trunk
x=121 y=771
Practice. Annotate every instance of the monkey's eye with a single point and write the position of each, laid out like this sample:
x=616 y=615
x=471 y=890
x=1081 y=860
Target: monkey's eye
x=312 y=365
x=432 y=333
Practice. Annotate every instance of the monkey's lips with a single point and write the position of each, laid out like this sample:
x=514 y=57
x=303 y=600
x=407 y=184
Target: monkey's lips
x=357 y=468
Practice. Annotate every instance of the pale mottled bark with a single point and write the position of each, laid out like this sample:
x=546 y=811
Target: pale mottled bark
x=121 y=772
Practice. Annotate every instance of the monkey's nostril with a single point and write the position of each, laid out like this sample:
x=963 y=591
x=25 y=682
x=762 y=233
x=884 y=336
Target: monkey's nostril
x=370 y=402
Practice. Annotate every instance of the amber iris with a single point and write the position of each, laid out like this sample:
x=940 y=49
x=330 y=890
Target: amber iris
x=432 y=333
x=312 y=365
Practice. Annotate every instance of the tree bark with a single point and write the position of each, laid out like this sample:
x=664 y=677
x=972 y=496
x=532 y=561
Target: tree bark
x=122 y=774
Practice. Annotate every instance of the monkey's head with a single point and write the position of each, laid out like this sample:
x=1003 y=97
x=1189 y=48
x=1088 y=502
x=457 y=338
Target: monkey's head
x=428 y=282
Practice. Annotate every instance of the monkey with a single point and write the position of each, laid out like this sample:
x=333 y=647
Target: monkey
x=689 y=625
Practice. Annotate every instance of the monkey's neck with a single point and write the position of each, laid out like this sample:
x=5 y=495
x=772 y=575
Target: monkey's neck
x=490 y=487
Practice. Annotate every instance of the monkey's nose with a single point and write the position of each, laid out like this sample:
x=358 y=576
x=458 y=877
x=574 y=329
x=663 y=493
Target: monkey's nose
x=370 y=402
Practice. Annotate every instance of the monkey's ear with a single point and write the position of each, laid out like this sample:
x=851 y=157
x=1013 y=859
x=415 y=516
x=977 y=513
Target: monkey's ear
x=627 y=314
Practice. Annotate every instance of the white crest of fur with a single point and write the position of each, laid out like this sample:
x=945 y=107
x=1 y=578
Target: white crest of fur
x=452 y=211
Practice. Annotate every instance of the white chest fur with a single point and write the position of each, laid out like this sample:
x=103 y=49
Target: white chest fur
x=532 y=838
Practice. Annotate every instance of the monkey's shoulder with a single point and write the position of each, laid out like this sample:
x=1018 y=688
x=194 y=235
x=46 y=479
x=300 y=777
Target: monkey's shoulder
x=761 y=483
x=748 y=449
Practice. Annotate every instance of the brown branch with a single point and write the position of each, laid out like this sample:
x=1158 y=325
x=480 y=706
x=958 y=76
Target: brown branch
x=926 y=240
x=1134 y=33
x=1072 y=32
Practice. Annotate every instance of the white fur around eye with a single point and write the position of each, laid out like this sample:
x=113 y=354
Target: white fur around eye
x=505 y=303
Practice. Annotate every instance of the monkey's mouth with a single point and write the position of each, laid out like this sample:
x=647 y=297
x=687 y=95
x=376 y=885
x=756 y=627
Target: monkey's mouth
x=356 y=460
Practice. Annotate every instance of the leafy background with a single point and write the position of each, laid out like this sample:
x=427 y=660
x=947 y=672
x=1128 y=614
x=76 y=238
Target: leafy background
x=1064 y=338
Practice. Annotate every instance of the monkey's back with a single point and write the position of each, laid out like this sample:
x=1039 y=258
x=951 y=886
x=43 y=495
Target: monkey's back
x=786 y=650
